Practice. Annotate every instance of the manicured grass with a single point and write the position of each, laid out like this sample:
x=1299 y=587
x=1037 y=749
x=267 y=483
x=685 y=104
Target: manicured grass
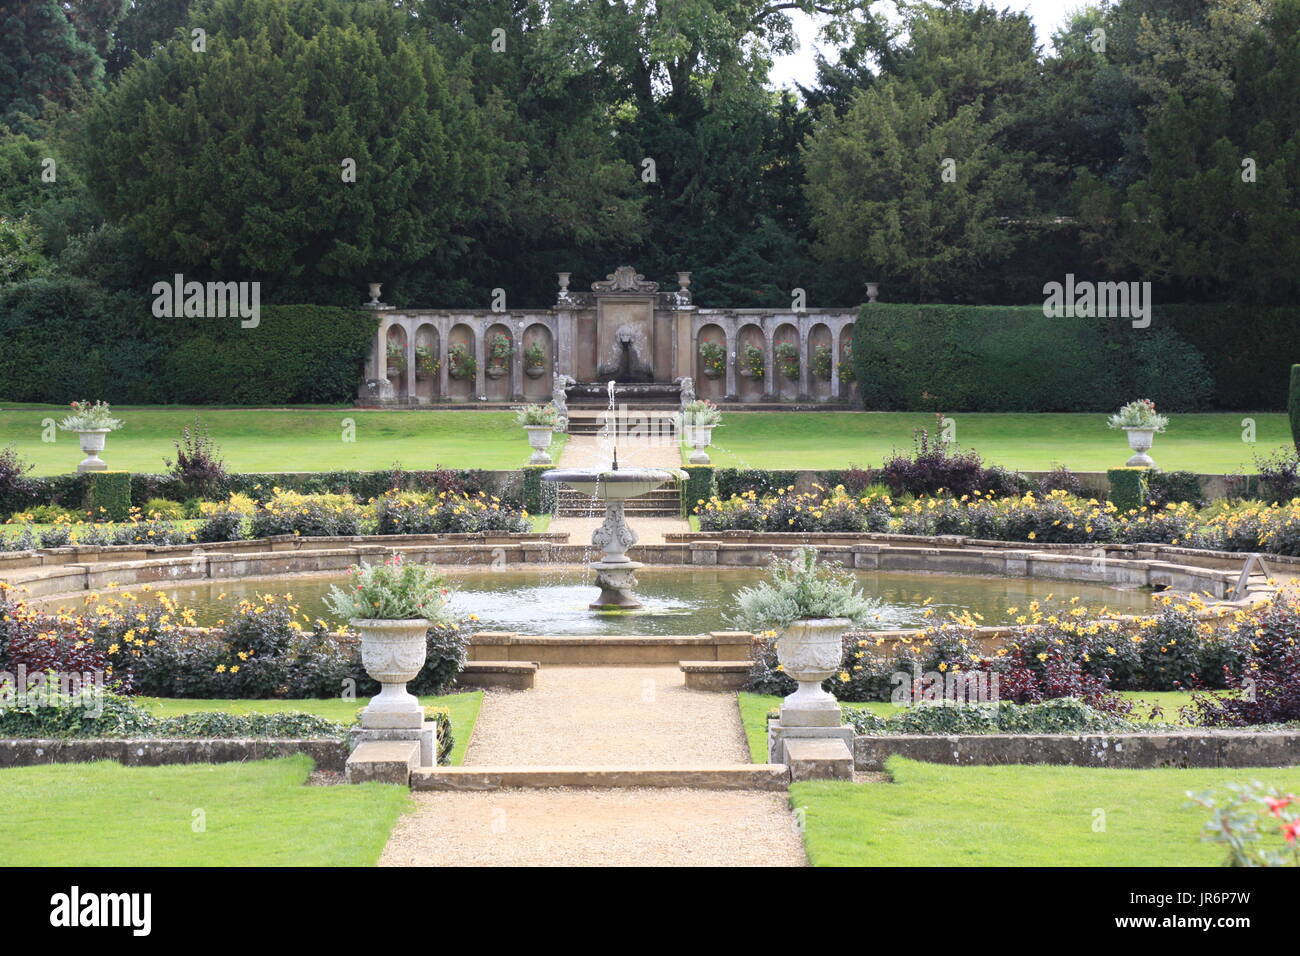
x=464 y=710
x=251 y=814
x=754 y=708
x=284 y=439
x=934 y=815
x=1208 y=444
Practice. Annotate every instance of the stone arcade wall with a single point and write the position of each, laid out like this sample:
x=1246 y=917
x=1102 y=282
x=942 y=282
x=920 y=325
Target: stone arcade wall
x=625 y=329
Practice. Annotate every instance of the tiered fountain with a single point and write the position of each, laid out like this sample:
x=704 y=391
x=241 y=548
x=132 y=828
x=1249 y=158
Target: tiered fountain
x=615 y=571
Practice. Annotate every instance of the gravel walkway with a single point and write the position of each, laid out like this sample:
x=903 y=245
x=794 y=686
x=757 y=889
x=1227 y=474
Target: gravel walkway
x=592 y=451
x=596 y=828
x=602 y=716
x=607 y=716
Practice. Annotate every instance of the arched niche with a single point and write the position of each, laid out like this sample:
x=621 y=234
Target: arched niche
x=711 y=381
x=460 y=387
x=786 y=386
x=395 y=364
x=749 y=386
x=428 y=358
x=498 y=358
x=537 y=340
x=820 y=367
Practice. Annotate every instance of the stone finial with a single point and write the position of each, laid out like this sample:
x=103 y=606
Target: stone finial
x=683 y=294
x=873 y=290
x=374 y=302
x=564 y=296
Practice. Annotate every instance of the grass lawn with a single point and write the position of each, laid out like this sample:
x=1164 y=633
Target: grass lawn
x=934 y=815
x=284 y=439
x=252 y=814
x=1209 y=444
x=754 y=708
x=463 y=707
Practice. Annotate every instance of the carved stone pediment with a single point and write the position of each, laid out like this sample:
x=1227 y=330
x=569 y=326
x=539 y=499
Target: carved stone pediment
x=627 y=280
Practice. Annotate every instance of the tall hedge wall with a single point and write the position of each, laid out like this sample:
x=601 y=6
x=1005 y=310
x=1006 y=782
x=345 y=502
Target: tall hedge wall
x=65 y=339
x=1013 y=358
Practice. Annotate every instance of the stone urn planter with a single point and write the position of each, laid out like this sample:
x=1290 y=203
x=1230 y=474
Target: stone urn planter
x=92 y=443
x=392 y=652
x=711 y=371
x=699 y=437
x=1140 y=440
x=495 y=371
x=539 y=438
x=534 y=371
x=810 y=650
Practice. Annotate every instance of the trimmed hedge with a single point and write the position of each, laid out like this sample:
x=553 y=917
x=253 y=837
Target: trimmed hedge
x=108 y=495
x=72 y=491
x=1014 y=359
x=537 y=497
x=737 y=481
x=1128 y=488
x=700 y=484
x=67 y=338
x=1293 y=405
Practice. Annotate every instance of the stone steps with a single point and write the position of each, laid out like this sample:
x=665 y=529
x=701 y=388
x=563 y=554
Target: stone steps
x=731 y=777
x=659 y=503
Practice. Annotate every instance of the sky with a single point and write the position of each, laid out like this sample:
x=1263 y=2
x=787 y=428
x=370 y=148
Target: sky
x=800 y=66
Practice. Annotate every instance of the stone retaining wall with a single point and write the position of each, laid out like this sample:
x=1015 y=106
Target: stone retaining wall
x=1217 y=748
x=154 y=752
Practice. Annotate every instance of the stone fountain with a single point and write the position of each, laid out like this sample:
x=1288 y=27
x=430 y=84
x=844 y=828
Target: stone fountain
x=615 y=571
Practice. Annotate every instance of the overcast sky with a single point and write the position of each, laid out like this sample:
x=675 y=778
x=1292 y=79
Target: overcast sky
x=799 y=67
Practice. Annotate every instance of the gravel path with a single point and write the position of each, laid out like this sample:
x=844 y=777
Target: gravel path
x=602 y=716
x=596 y=828
x=606 y=716
x=593 y=451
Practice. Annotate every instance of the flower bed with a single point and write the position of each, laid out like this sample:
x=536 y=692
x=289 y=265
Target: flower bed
x=1056 y=517
x=148 y=645
x=1243 y=668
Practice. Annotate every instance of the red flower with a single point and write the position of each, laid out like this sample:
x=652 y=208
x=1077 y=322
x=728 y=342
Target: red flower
x=1291 y=831
x=1276 y=807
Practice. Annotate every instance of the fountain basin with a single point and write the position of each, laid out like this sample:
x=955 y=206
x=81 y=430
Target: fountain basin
x=612 y=484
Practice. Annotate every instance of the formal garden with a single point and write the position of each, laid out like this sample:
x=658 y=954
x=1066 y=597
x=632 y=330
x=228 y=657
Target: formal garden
x=947 y=513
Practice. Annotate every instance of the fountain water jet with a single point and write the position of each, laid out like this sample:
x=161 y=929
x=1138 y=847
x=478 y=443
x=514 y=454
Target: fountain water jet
x=615 y=571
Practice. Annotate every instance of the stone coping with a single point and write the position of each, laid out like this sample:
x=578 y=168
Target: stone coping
x=724 y=777
x=1181 y=748
x=59 y=572
x=328 y=754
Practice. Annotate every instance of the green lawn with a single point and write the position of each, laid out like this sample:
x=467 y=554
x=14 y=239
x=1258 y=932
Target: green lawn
x=285 y=439
x=932 y=815
x=251 y=814
x=311 y=439
x=464 y=710
x=1202 y=443
x=754 y=708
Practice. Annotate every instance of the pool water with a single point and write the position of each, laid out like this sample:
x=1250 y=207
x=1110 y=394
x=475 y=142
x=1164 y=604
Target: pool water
x=677 y=600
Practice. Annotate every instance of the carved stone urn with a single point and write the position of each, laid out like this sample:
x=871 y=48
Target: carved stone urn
x=392 y=652
x=539 y=438
x=699 y=437
x=1140 y=440
x=92 y=443
x=811 y=650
